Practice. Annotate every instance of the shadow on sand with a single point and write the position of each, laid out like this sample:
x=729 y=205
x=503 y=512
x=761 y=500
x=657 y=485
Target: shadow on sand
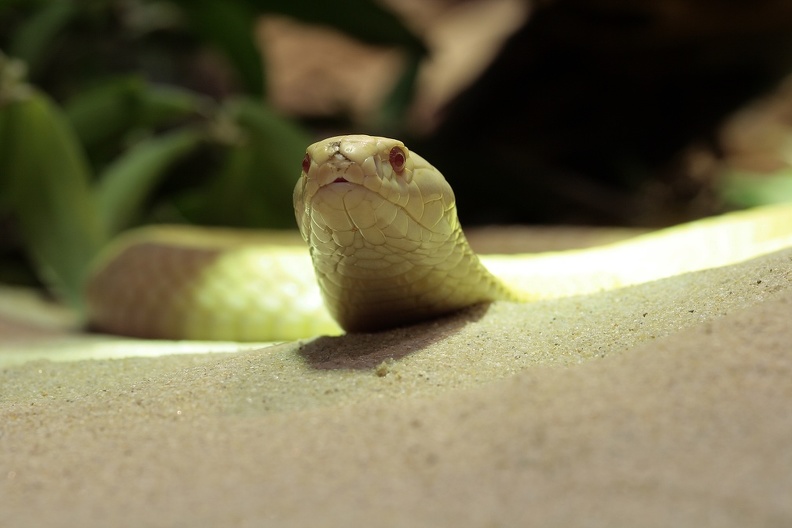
x=369 y=350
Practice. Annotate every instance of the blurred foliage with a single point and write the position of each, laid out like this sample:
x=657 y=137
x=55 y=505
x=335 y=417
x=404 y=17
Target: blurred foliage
x=749 y=189
x=115 y=113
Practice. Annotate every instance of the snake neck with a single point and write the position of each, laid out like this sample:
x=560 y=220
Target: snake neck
x=369 y=287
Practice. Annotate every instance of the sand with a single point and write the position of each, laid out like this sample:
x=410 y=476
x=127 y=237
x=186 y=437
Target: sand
x=665 y=404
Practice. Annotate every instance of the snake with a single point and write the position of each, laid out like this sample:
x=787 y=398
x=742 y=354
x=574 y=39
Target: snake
x=385 y=248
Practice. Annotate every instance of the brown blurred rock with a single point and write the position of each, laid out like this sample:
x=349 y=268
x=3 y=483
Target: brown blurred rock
x=315 y=71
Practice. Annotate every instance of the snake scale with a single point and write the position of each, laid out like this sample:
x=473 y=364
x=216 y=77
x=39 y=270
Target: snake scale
x=386 y=249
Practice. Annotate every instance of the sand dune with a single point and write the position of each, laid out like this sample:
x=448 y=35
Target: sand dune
x=665 y=404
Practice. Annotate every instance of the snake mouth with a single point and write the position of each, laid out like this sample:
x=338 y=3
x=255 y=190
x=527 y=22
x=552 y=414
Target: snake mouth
x=340 y=180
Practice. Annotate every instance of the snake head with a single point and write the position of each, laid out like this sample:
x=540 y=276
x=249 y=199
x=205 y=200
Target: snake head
x=342 y=179
x=383 y=234
x=373 y=186
x=359 y=159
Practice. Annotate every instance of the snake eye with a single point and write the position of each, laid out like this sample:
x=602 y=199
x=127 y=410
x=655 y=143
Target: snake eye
x=306 y=163
x=397 y=158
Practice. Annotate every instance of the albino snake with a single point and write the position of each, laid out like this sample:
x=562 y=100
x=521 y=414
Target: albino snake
x=387 y=249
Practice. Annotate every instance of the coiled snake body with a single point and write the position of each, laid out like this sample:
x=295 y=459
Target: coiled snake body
x=386 y=248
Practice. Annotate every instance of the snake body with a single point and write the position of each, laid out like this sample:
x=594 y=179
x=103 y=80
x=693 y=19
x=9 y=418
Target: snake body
x=386 y=248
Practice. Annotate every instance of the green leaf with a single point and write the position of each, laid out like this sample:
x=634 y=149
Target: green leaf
x=254 y=187
x=113 y=108
x=283 y=140
x=162 y=104
x=229 y=200
x=47 y=178
x=35 y=37
x=6 y=155
x=24 y=4
x=104 y=111
x=229 y=26
x=746 y=189
x=125 y=184
x=394 y=108
x=279 y=145
x=363 y=19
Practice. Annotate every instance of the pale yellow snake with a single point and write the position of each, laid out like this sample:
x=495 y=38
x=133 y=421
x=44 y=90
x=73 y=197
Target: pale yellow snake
x=386 y=248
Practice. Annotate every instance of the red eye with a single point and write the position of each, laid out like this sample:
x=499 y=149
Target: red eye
x=397 y=159
x=306 y=164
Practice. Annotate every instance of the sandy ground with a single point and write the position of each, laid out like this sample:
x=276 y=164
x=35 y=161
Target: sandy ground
x=666 y=404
